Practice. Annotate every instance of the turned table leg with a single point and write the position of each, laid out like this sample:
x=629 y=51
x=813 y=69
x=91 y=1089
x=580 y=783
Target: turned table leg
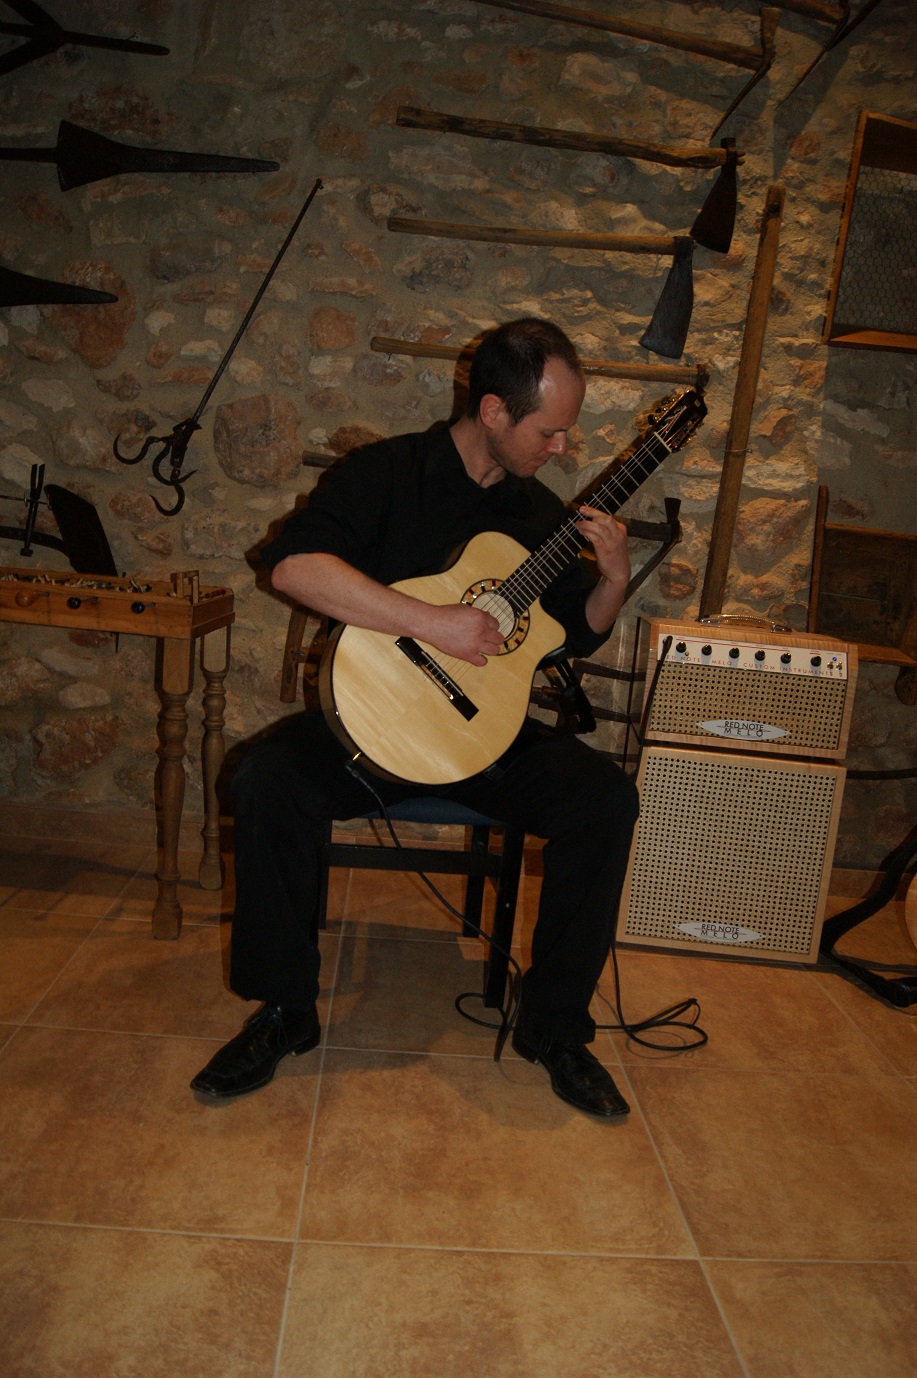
x=177 y=676
x=215 y=664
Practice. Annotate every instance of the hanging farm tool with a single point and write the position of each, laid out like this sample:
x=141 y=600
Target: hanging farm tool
x=757 y=60
x=83 y=156
x=21 y=289
x=669 y=327
x=727 y=503
x=44 y=35
x=173 y=447
x=713 y=226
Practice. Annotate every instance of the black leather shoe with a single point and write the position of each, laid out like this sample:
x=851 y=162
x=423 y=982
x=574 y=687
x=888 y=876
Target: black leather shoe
x=250 y=1059
x=577 y=1076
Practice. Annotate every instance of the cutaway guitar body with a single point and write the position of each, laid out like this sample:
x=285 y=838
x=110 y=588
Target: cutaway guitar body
x=414 y=713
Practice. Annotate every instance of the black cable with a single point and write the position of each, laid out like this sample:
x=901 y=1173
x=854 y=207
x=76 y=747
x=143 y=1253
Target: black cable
x=670 y=1017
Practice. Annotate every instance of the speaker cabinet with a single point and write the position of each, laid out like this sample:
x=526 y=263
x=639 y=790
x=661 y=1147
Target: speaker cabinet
x=732 y=853
x=744 y=689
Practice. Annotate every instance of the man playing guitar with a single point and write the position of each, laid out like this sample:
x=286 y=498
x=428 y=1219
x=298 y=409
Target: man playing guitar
x=396 y=511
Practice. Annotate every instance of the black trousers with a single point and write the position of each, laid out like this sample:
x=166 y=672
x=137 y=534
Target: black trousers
x=294 y=779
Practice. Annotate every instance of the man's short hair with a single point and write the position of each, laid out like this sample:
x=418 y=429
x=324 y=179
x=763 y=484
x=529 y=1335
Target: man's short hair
x=510 y=363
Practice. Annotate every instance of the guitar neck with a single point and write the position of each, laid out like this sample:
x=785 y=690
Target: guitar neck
x=551 y=558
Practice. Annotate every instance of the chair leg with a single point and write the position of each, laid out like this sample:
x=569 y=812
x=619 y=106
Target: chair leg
x=497 y=969
x=474 y=886
x=320 y=920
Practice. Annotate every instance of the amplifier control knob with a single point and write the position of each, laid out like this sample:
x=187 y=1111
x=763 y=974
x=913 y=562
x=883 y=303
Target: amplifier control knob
x=706 y=650
x=816 y=661
x=760 y=655
x=785 y=658
x=734 y=653
x=681 y=648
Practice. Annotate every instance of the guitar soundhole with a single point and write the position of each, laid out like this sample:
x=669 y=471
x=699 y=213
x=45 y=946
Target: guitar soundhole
x=486 y=594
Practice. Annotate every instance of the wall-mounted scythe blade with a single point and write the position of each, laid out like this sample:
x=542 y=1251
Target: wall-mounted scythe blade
x=83 y=156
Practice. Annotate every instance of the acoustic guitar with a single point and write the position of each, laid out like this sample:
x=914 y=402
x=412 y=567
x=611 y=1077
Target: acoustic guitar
x=412 y=713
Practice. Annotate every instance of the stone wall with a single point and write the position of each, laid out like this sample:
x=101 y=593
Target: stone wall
x=315 y=86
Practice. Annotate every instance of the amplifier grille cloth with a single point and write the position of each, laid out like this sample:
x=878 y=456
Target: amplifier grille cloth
x=810 y=710
x=733 y=843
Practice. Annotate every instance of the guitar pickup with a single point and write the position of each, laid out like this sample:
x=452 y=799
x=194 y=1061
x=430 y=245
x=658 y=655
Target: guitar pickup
x=435 y=672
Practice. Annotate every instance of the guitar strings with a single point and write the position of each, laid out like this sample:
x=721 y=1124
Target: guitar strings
x=529 y=580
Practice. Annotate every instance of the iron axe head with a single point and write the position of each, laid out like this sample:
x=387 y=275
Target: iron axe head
x=717 y=216
x=668 y=330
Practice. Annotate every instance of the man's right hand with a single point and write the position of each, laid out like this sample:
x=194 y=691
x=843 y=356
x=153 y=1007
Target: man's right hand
x=466 y=632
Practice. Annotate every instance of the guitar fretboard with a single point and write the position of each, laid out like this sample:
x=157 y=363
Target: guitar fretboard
x=550 y=559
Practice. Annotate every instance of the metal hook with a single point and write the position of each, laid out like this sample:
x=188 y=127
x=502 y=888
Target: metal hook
x=175 y=483
x=144 y=451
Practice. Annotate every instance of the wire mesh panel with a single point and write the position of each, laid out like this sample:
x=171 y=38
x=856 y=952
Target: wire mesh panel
x=878 y=284
x=872 y=301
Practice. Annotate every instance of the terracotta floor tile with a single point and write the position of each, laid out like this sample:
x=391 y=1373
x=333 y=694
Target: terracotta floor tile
x=416 y=1313
x=787 y=1165
x=35 y=945
x=102 y=1128
x=821 y=1320
x=755 y=1015
x=401 y=995
x=466 y=1153
x=122 y=1304
x=892 y=1031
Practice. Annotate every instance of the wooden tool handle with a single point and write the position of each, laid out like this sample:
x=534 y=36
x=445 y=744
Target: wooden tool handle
x=699 y=375
x=566 y=239
x=683 y=155
x=647 y=33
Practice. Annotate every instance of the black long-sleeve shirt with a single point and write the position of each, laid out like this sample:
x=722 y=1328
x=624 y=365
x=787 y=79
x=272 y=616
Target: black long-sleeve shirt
x=404 y=507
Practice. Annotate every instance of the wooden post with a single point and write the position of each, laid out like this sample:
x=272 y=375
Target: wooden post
x=727 y=503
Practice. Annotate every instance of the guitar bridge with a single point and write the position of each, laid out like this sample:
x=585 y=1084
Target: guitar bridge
x=437 y=675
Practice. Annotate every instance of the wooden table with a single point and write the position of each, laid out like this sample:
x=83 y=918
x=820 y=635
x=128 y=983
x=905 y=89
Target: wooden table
x=179 y=613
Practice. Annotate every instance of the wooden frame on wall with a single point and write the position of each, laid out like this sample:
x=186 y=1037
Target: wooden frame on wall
x=872 y=301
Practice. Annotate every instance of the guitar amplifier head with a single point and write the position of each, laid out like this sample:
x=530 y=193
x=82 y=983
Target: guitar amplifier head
x=731 y=854
x=745 y=689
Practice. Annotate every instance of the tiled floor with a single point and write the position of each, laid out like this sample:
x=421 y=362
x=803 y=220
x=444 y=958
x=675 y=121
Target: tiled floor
x=396 y=1204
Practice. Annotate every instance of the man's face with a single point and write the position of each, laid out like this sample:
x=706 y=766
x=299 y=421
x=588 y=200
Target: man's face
x=522 y=448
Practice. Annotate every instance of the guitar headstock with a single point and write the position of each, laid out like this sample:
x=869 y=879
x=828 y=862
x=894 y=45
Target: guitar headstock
x=677 y=418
